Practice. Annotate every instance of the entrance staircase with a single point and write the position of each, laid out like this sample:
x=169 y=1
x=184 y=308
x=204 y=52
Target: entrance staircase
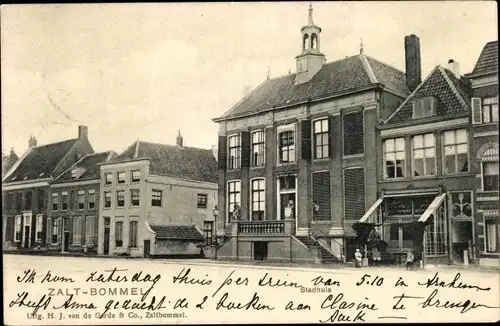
x=326 y=256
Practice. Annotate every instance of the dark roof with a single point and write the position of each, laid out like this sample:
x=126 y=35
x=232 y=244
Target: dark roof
x=179 y=162
x=181 y=232
x=335 y=78
x=452 y=94
x=41 y=161
x=488 y=59
x=8 y=161
x=90 y=165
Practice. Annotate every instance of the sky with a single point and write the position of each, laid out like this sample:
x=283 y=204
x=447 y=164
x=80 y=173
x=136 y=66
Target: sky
x=146 y=71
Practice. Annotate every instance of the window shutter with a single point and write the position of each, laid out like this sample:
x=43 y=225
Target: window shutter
x=245 y=149
x=354 y=193
x=321 y=195
x=331 y=138
x=353 y=133
x=476 y=110
x=222 y=152
x=49 y=230
x=306 y=139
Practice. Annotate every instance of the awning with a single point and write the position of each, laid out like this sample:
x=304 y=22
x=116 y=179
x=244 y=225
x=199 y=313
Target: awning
x=371 y=210
x=491 y=155
x=432 y=207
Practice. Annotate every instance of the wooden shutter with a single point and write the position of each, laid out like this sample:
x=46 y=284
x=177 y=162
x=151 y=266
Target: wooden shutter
x=354 y=193
x=306 y=139
x=476 y=110
x=222 y=152
x=245 y=149
x=49 y=230
x=321 y=194
x=353 y=133
x=331 y=139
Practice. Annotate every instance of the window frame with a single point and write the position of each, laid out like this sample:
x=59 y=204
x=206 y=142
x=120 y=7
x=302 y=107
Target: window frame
x=119 y=235
x=321 y=133
x=108 y=178
x=132 y=200
x=208 y=232
x=39 y=227
x=40 y=199
x=344 y=154
x=289 y=147
x=134 y=179
x=18 y=222
x=56 y=224
x=490 y=110
x=120 y=180
x=482 y=160
x=261 y=193
x=258 y=160
x=423 y=148
x=201 y=200
x=422 y=101
x=91 y=194
x=286 y=192
x=155 y=199
x=64 y=195
x=236 y=194
x=118 y=201
x=394 y=152
x=107 y=195
x=133 y=239
x=235 y=163
x=455 y=145
x=79 y=195
x=55 y=195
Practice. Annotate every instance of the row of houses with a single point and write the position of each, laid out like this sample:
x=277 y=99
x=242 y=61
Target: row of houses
x=306 y=158
x=151 y=200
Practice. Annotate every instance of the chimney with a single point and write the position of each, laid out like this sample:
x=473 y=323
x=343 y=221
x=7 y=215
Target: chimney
x=179 y=140
x=412 y=58
x=83 y=132
x=454 y=67
x=32 y=142
x=12 y=150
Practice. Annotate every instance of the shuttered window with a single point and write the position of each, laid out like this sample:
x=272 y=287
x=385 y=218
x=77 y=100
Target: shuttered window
x=222 y=153
x=321 y=195
x=90 y=230
x=353 y=133
x=354 y=193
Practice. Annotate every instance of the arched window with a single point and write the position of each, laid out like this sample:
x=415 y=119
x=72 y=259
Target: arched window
x=304 y=41
x=489 y=162
x=314 y=41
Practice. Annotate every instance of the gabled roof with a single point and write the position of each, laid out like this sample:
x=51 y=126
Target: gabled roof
x=488 y=60
x=335 y=78
x=179 y=232
x=178 y=162
x=452 y=94
x=41 y=161
x=89 y=164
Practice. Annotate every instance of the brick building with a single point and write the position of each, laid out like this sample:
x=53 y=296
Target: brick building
x=156 y=200
x=73 y=207
x=297 y=155
x=26 y=185
x=484 y=154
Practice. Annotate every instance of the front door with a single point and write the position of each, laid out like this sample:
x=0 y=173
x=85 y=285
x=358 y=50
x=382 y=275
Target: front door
x=259 y=250
x=26 y=236
x=65 y=241
x=147 y=248
x=106 y=241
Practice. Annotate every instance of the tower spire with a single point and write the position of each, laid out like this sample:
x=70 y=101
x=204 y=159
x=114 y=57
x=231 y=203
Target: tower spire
x=361 y=47
x=310 y=20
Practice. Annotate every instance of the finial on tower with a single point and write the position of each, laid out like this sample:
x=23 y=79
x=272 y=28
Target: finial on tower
x=268 y=72
x=310 y=21
x=361 y=47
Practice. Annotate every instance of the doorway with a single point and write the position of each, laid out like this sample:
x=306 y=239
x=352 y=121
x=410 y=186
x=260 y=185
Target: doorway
x=147 y=248
x=26 y=240
x=260 y=250
x=106 y=241
x=65 y=241
x=461 y=240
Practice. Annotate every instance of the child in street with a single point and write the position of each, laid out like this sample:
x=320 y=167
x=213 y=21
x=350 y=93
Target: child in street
x=358 y=257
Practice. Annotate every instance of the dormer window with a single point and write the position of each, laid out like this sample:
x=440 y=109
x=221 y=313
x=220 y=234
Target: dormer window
x=424 y=107
x=73 y=174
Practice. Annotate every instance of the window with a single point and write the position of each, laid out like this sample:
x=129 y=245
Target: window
x=9 y=201
x=321 y=195
x=435 y=235
x=133 y=234
x=91 y=199
x=73 y=174
x=107 y=199
x=55 y=201
x=234 y=152
x=287 y=192
x=489 y=161
x=354 y=193
x=394 y=158
x=19 y=200
x=201 y=200
x=136 y=175
x=89 y=230
x=108 y=177
x=492 y=229
x=424 y=155
x=120 y=176
x=119 y=234
x=81 y=199
x=39 y=227
x=353 y=130
x=258 y=148
x=156 y=198
x=321 y=141
x=258 y=199
x=77 y=230
x=40 y=198
x=208 y=232
x=134 y=195
x=17 y=230
x=55 y=230
x=424 y=107
x=234 y=199
x=286 y=144
x=455 y=151
x=28 y=200
x=461 y=204
x=64 y=200
x=120 y=198
x=485 y=112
